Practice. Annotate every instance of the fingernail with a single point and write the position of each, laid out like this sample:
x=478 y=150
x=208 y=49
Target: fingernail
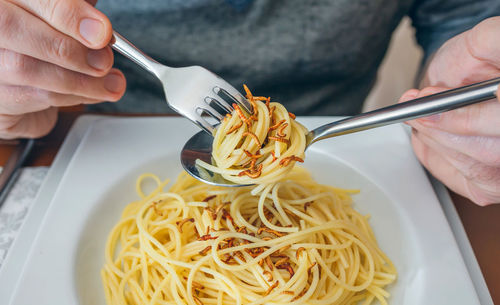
x=98 y=59
x=92 y=30
x=409 y=95
x=114 y=83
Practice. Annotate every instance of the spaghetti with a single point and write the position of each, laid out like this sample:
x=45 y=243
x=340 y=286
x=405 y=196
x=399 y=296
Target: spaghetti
x=257 y=148
x=296 y=242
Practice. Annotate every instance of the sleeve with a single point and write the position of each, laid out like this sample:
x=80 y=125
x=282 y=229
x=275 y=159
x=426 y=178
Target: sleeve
x=436 y=21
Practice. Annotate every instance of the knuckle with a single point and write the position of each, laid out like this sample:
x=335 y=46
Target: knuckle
x=488 y=25
x=7 y=124
x=73 y=84
x=56 y=100
x=43 y=97
x=62 y=48
x=30 y=125
x=481 y=40
x=17 y=64
x=79 y=84
x=62 y=12
x=13 y=63
x=7 y=20
x=17 y=100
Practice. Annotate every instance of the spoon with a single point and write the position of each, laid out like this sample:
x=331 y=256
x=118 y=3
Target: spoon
x=200 y=145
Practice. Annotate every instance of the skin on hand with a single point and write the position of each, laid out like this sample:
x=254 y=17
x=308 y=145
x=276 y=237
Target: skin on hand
x=462 y=147
x=52 y=54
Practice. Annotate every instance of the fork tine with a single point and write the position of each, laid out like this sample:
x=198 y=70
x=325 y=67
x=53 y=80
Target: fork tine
x=211 y=111
x=222 y=102
x=235 y=97
x=220 y=106
x=202 y=123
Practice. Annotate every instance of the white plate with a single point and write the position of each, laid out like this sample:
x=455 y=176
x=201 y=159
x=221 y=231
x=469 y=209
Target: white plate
x=66 y=256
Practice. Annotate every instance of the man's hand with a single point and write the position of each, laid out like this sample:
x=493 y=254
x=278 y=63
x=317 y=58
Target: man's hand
x=52 y=53
x=462 y=147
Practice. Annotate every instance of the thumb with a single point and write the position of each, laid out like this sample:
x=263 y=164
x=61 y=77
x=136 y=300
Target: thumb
x=409 y=95
x=482 y=41
x=75 y=18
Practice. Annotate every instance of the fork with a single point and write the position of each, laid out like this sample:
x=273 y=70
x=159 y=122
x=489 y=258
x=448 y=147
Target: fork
x=194 y=92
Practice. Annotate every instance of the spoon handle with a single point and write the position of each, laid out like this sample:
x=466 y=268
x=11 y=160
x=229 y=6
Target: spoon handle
x=420 y=107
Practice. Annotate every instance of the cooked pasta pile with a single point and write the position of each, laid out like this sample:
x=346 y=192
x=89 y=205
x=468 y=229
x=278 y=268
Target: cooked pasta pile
x=259 y=148
x=295 y=242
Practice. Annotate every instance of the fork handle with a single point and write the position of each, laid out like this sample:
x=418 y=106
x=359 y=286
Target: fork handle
x=127 y=49
x=420 y=107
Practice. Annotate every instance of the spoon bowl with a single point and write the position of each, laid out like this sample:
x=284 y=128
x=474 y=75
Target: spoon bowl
x=199 y=146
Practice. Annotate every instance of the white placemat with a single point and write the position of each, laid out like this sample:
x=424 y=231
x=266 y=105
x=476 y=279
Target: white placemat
x=17 y=205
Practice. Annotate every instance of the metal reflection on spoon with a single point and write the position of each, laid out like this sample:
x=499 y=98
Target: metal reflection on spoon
x=200 y=147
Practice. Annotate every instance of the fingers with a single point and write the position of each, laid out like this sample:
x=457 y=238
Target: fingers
x=408 y=95
x=438 y=166
x=416 y=93
x=75 y=18
x=17 y=100
x=29 y=125
x=32 y=112
x=471 y=179
x=484 y=149
x=22 y=70
x=45 y=43
x=478 y=119
x=461 y=147
x=52 y=53
x=471 y=168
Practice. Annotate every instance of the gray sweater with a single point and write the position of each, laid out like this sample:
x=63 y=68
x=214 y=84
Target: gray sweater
x=317 y=57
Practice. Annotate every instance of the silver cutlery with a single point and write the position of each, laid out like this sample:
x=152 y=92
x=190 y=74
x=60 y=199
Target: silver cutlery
x=200 y=145
x=194 y=92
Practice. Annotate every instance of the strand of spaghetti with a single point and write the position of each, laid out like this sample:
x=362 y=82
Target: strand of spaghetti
x=146 y=238
x=108 y=291
x=331 y=225
x=288 y=285
x=256 y=136
x=229 y=254
x=275 y=198
x=227 y=281
x=276 y=243
x=322 y=246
